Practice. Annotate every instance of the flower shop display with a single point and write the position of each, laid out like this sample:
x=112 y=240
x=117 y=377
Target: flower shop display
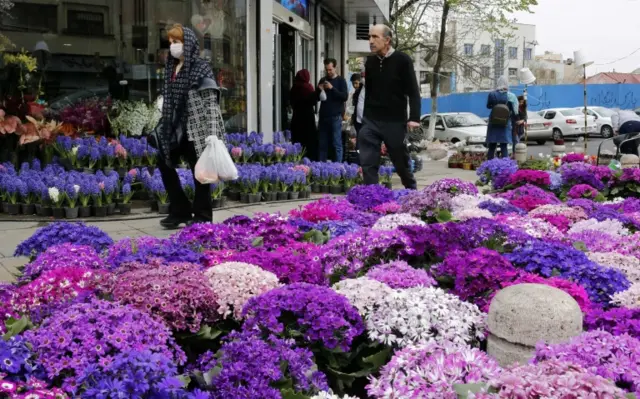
x=379 y=293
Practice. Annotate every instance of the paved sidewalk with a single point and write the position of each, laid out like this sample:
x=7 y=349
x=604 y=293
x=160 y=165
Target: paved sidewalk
x=14 y=232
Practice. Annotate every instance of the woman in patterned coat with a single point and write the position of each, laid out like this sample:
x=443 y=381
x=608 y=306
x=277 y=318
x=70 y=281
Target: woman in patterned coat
x=190 y=113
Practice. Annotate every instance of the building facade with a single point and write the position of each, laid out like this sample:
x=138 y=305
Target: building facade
x=255 y=47
x=481 y=57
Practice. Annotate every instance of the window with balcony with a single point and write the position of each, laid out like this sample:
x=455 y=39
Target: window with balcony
x=485 y=50
x=468 y=50
x=85 y=23
x=513 y=73
x=513 y=53
x=467 y=72
x=527 y=54
x=486 y=72
x=28 y=17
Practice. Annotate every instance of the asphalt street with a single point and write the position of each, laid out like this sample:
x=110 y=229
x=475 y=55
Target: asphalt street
x=592 y=146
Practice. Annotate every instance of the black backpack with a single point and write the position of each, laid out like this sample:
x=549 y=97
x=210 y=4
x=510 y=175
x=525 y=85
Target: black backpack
x=500 y=115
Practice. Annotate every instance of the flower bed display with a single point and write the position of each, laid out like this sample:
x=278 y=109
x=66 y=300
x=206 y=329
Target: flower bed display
x=96 y=176
x=377 y=294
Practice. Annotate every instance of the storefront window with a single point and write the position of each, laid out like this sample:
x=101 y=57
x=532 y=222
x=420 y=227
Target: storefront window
x=116 y=49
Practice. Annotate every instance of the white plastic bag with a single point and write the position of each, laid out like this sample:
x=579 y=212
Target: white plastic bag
x=215 y=163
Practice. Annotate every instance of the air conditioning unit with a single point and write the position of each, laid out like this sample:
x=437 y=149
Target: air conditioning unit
x=359 y=34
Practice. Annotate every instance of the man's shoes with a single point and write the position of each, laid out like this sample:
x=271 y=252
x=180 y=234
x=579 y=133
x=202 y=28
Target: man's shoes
x=173 y=222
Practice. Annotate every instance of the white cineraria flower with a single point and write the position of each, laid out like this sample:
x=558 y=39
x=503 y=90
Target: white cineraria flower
x=471 y=213
x=424 y=315
x=236 y=282
x=629 y=298
x=537 y=228
x=393 y=221
x=329 y=395
x=610 y=226
x=363 y=293
x=466 y=201
x=54 y=195
x=629 y=265
x=614 y=201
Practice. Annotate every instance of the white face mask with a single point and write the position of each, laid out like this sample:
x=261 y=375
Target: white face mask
x=176 y=49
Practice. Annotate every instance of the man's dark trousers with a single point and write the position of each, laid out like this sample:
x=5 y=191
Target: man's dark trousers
x=371 y=136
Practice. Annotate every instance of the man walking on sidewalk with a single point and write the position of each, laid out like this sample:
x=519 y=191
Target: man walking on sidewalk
x=391 y=79
x=332 y=92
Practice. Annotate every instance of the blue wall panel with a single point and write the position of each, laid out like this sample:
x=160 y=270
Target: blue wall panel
x=624 y=96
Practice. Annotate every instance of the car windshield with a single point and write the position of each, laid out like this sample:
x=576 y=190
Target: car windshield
x=463 y=120
x=570 y=112
x=604 y=112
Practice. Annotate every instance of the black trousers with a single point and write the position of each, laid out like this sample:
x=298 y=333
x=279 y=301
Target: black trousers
x=358 y=127
x=392 y=134
x=180 y=206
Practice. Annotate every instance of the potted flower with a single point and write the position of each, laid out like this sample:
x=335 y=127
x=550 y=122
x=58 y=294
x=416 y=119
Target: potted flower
x=122 y=158
x=12 y=186
x=299 y=180
x=285 y=181
x=71 y=199
x=335 y=178
x=247 y=153
x=127 y=193
x=161 y=194
x=45 y=202
x=84 y=197
x=92 y=159
x=236 y=154
x=109 y=190
x=151 y=154
x=57 y=200
x=279 y=153
x=216 y=194
x=108 y=158
x=315 y=179
x=254 y=181
x=385 y=173
x=27 y=199
x=99 y=209
x=324 y=178
x=304 y=189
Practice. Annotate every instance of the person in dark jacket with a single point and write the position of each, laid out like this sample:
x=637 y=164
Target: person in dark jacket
x=303 y=123
x=520 y=122
x=496 y=134
x=333 y=93
x=390 y=79
x=190 y=113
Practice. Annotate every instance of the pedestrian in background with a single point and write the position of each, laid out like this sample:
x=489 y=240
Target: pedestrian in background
x=626 y=124
x=391 y=80
x=503 y=112
x=303 y=122
x=521 y=121
x=190 y=113
x=332 y=91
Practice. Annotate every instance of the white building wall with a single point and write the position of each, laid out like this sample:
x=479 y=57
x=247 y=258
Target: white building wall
x=472 y=67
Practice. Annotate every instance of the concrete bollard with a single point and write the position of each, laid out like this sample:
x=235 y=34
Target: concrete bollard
x=522 y=315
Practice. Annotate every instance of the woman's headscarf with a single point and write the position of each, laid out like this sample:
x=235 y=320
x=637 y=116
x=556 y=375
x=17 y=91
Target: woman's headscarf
x=175 y=92
x=302 y=87
x=502 y=84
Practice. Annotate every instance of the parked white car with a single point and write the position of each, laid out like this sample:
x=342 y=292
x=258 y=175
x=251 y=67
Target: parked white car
x=567 y=122
x=458 y=127
x=603 y=119
x=538 y=129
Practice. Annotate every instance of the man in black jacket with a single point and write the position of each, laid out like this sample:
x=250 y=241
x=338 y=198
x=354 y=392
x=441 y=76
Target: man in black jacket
x=333 y=92
x=391 y=79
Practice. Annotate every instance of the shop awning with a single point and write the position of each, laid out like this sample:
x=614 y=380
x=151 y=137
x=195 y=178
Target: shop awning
x=359 y=11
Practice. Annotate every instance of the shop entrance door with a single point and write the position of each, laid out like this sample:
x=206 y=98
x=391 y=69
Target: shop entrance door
x=284 y=63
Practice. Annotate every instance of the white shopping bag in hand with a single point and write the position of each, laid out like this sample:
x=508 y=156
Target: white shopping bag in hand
x=215 y=163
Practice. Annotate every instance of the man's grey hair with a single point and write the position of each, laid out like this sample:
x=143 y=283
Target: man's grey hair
x=386 y=31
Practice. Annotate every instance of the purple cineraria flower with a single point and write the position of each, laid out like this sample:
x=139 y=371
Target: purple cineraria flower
x=320 y=314
x=252 y=367
x=497 y=171
x=367 y=197
x=62 y=256
x=91 y=334
x=400 y=275
x=63 y=232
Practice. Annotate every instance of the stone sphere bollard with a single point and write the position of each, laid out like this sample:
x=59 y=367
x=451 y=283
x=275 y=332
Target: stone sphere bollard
x=629 y=161
x=522 y=315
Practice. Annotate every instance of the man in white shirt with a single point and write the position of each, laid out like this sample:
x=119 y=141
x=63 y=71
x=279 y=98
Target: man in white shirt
x=626 y=124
